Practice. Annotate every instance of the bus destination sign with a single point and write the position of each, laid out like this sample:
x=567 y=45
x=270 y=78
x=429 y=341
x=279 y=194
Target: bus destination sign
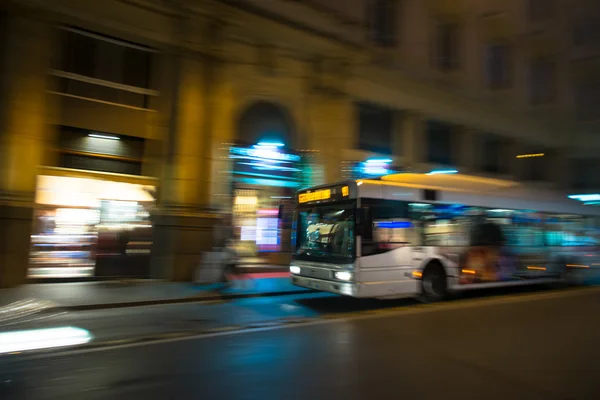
x=331 y=194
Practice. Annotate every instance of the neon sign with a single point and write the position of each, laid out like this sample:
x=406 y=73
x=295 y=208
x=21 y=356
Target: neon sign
x=265 y=164
x=263 y=153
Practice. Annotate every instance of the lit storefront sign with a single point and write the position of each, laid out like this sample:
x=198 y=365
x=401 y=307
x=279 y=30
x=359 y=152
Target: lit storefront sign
x=262 y=151
x=265 y=164
x=263 y=176
x=80 y=220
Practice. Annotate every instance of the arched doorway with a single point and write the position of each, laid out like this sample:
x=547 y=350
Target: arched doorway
x=266 y=174
x=265 y=121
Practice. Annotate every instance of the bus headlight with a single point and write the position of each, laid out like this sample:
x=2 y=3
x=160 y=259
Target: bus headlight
x=343 y=276
x=294 y=270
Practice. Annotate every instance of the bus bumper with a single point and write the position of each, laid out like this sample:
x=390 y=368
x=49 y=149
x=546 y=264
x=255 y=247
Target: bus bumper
x=343 y=288
x=397 y=289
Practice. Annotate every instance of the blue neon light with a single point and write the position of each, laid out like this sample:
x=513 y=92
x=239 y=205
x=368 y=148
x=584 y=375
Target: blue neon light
x=368 y=170
x=263 y=153
x=269 y=144
x=270 y=167
x=378 y=161
x=374 y=167
x=394 y=225
x=266 y=182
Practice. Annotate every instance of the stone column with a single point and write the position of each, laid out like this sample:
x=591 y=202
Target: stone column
x=559 y=170
x=222 y=132
x=332 y=122
x=183 y=221
x=24 y=134
x=467 y=149
x=398 y=134
x=515 y=167
x=414 y=140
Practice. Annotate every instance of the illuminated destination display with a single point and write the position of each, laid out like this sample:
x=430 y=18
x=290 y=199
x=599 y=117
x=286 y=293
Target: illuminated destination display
x=314 y=196
x=332 y=194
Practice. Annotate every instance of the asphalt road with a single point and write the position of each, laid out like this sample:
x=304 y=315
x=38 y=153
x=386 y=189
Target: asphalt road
x=531 y=345
x=154 y=322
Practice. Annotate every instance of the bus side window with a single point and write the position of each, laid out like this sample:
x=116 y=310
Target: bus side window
x=390 y=226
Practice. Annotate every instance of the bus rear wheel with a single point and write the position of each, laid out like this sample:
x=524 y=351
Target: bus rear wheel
x=434 y=286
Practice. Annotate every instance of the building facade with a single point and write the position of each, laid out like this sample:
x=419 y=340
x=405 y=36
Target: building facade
x=184 y=109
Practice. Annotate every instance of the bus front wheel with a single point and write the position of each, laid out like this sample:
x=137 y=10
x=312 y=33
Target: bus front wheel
x=434 y=285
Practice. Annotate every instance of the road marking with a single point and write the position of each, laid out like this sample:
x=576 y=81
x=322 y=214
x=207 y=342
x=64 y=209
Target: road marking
x=396 y=311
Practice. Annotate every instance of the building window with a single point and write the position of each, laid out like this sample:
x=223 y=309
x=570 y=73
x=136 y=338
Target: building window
x=103 y=68
x=498 y=66
x=587 y=99
x=534 y=168
x=447 y=46
x=539 y=10
x=493 y=155
x=375 y=125
x=381 y=15
x=583 y=171
x=439 y=143
x=586 y=30
x=99 y=151
x=542 y=81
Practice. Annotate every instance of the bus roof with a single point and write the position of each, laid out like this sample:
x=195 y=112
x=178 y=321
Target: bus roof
x=471 y=190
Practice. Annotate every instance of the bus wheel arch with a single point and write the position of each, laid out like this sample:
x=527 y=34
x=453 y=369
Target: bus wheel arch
x=434 y=282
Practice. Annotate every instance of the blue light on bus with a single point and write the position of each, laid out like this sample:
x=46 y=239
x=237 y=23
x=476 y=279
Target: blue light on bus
x=368 y=170
x=443 y=171
x=585 y=197
x=423 y=205
x=394 y=225
x=376 y=166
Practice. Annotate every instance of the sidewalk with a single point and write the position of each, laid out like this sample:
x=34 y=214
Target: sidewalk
x=35 y=298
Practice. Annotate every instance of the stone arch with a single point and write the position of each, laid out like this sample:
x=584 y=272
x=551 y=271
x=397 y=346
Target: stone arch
x=264 y=120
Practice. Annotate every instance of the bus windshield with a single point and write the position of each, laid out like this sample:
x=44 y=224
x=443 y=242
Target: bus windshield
x=326 y=231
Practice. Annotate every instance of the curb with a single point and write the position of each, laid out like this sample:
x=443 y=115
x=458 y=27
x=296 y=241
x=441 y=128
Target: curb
x=247 y=268
x=182 y=300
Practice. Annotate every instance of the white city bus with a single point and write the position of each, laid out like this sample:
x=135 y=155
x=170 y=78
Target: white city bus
x=426 y=235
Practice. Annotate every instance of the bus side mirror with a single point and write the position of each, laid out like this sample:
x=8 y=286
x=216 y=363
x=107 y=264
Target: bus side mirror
x=280 y=212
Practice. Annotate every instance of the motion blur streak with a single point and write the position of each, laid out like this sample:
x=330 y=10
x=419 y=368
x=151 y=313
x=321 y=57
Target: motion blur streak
x=36 y=339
